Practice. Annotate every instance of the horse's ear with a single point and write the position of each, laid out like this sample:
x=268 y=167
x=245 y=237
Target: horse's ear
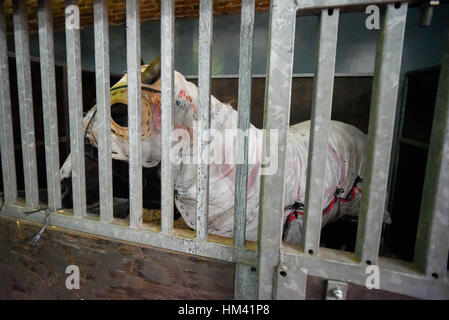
x=153 y=72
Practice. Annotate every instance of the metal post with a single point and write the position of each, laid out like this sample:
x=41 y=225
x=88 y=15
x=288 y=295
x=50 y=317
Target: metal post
x=276 y=117
x=74 y=82
x=48 y=80
x=134 y=111
x=103 y=108
x=432 y=243
x=167 y=109
x=243 y=287
x=205 y=41
x=25 y=91
x=319 y=128
x=380 y=132
x=6 y=130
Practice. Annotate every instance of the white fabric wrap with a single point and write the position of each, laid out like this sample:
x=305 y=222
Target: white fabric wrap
x=344 y=163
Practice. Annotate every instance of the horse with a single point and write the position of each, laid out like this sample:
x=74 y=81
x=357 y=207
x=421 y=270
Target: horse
x=343 y=169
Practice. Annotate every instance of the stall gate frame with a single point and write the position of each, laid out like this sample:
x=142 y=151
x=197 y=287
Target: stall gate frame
x=268 y=269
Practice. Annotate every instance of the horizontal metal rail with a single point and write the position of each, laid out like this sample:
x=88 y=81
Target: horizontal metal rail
x=322 y=4
x=394 y=275
x=183 y=241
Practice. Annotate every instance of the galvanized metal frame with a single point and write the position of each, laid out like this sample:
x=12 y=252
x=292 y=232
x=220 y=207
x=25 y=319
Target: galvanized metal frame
x=25 y=93
x=75 y=94
x=134 y=112
x=204 y=70
x=181 y=240
x=319 y=128
x=167 y=112
x=289 y=267
x=245 y=279
x=274 y=270
x=277 y=117
x=380 y=132
x=48 y=80
x=101 y=33
x=6 y=130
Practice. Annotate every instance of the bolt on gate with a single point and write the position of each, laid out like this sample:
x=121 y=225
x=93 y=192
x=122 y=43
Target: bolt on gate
x=272 y=270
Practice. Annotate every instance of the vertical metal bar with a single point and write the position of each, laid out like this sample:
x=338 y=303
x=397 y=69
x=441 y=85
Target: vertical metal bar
x=243 y=124
x=205 y=41
x=167 y=109
x=48 y=79
x=380 y=132
x=134 y=111
x=103 y=108
x=6 y=131
x=25 y=91
x=276 y=117
x=319 y=128
x=432 y=243
x=243 y=287
x=75 y=106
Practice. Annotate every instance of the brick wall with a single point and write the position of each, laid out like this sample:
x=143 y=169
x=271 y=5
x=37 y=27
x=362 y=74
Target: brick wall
x=150 y=10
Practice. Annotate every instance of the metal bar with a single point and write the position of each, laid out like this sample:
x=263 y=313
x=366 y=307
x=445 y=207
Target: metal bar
x=276 y=117
x=205 y=41
x=103 y=108
x=295 y=75
x=245 y=284
x=167 y=111
x=6 y=130
x=74 y=82
x=24 y=88
x=134 y=111
x=185 y=242
x=321 y=4
x=319 y=129
x=380 y=132
x=48 y=80
x=432 y=242
x=243 y=123
x=394 y=275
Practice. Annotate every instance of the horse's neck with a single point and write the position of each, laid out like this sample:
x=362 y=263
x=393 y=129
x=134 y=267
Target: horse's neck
x=222 y=118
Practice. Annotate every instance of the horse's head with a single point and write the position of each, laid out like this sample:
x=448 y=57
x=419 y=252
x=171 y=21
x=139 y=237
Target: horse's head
x=150 y=115
x=151 y=126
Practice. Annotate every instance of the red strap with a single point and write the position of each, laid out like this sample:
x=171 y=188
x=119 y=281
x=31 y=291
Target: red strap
x=352 y=196
x=293 y=215
x=329 y=207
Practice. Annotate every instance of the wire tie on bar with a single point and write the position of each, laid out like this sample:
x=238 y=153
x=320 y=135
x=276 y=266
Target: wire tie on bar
x=47 y=220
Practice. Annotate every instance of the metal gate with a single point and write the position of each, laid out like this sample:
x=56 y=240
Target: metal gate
x=271 y=269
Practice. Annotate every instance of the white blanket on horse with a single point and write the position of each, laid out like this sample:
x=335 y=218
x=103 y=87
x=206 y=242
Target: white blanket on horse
x=344 y=164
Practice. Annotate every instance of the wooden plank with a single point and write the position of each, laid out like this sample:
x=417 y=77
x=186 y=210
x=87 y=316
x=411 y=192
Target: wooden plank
x=109 y=269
